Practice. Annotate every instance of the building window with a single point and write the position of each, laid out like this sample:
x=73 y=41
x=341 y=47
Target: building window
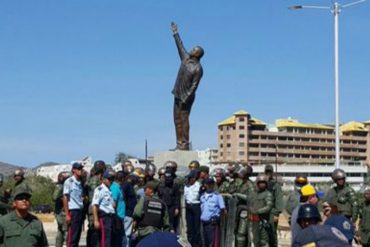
x=221 y=145
x=228 y=137
x=241 y=119
x=241 y=153
x=241 y=127
x=228 y=145
x=221 y=137
x=241 y=136
x=241 y=144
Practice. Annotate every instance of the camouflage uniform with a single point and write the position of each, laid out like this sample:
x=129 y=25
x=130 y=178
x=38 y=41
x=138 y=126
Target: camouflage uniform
x=261 y=204
x=275 y=188
x=364 y=226
x=343 y=201
x=59 y=215
x=234 y=185
x=4 y=202
x=293 y=200
x=92 y=233
x=222 y=188
x=21 y=186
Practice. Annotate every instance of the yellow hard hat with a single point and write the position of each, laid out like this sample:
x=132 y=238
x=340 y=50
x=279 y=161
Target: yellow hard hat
x=308 y=190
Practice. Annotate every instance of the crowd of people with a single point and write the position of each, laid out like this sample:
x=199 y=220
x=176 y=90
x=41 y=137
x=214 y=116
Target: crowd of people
x=219 y=208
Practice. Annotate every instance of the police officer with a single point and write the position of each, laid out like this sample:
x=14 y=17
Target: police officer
x=19 y=227
x=150 y=214
x=4 y=198
x=341 y=197
x=275 y=188
x=364 y=226
x=58 y=209
x=260 y=207
x=73 y=204
x=20 y=181
x=221 y=184
x=103 y=209
x=192 y=207
x=293 y=197
x=212 y=209
x=169 y=193
x=244 y=193
x=94 y=181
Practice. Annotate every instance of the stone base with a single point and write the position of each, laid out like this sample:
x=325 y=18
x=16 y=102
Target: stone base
x=182 y=158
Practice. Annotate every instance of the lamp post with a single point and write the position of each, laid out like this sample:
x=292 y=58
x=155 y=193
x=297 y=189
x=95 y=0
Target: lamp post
x=335 y=8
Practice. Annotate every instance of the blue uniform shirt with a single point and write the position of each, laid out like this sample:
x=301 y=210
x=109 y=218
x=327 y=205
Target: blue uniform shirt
x=115 y=189
x=74 y=191
x=103 y=199
x=211 y=205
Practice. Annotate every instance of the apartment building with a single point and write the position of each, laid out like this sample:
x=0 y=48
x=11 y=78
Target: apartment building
x=246 y=139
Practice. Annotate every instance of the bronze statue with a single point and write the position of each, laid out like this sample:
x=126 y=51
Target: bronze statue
x=187 y=82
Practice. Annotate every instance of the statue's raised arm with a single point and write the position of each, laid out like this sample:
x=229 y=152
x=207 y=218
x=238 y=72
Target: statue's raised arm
x=180 y=47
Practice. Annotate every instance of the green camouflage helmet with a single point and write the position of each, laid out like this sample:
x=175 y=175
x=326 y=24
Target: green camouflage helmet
x=99 y=166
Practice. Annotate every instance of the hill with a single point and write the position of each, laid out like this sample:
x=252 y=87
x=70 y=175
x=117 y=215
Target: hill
x=8 y=169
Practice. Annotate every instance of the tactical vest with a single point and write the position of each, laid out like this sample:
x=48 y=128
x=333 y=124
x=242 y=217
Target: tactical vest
x=341 y=199
x=258 y=201
x=153 y=213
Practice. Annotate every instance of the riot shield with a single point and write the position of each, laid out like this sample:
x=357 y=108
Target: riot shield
x=230 y=222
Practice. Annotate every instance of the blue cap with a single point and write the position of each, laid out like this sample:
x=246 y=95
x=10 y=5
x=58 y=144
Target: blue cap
x=321 y=236
x=343 y=224
x=109 y=174
x=77 y=165
x=209 y=181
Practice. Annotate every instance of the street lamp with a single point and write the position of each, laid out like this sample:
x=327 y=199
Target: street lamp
x=335 y=8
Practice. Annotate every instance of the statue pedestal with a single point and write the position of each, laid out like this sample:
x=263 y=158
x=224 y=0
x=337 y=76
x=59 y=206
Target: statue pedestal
x=182 y=158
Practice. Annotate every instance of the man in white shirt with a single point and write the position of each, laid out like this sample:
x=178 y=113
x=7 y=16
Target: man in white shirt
x=192 y=205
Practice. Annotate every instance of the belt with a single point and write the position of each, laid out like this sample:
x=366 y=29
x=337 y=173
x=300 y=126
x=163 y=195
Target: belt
x=104 y=214
x=195 y=203
x=254 y=217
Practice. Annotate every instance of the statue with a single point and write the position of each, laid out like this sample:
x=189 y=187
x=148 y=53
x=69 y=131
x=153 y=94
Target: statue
x=187 y=82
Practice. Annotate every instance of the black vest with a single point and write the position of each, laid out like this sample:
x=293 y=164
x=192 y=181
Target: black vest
x=153 y=210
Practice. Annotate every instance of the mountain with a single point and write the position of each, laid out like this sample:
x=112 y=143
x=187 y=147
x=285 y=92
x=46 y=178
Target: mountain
x=8 y=169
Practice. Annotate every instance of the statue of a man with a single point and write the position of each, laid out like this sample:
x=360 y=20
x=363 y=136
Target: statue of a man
x=187 y=82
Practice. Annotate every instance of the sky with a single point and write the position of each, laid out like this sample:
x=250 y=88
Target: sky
x=94 y=77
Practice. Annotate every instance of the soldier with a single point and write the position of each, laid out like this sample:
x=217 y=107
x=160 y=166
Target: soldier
x=150 y=170
x=58 y=209
x=4 y=198
x=103 y=209
x=169 y=193
x=341 y=197
x=161 y=172
x=234 y=180
x=19 y=227
x=20 y=181
x=73 y=204
x=275 y=188
x=203 y=175
x=260 y=207
x=94 y=181
x=192 y=207
x=150 y=214
x=221 y=184
x=243 y=194
x=212 y=209
x=364 y=226
x=293 y=197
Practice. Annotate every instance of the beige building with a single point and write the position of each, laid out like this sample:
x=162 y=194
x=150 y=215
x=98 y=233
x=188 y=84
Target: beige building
x=243 y=138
